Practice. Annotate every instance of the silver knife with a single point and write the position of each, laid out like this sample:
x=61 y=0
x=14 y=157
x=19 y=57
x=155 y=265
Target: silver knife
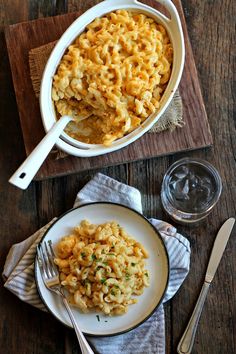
x=187 y=340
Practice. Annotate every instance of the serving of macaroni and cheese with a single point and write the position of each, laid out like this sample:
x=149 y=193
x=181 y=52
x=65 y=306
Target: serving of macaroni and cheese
x=102 y=267
x=112 y=77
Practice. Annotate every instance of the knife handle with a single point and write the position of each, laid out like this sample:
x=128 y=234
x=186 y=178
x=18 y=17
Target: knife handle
x=187 y=340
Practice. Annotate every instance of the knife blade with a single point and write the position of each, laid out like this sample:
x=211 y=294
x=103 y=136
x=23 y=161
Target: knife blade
x=218 y=248
x=187 y=340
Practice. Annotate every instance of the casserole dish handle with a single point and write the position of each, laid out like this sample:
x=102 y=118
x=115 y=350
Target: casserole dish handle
x=174 y=22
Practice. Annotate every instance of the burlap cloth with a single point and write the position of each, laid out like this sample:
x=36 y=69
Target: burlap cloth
x=172 y=118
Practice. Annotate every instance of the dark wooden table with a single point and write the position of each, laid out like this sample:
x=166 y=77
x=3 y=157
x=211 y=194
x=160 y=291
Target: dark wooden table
x=25 y=330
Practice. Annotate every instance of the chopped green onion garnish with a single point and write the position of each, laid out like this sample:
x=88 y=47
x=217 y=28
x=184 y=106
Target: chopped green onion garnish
x=83 y=255
x=127 y=276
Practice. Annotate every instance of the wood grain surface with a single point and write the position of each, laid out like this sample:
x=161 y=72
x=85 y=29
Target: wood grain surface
x=25 y=330
x=195 y=134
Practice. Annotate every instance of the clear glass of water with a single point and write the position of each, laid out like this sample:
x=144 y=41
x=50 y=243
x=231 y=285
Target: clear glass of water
x=190 y=189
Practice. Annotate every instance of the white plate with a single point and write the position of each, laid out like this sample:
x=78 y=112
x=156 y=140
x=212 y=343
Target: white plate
x=140 y=229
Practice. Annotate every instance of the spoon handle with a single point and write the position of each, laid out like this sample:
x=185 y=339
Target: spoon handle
x=28 y=169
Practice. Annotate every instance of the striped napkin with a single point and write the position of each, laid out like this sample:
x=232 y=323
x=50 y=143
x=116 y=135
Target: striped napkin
x=148 y=338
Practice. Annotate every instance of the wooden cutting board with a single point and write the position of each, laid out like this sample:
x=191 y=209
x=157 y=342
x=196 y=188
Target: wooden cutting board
x=22 y=37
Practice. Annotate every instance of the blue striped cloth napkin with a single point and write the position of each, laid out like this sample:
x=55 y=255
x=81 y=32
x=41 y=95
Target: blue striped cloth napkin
x=148 y=338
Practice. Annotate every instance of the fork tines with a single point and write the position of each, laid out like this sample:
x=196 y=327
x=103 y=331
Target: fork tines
x=46 y=257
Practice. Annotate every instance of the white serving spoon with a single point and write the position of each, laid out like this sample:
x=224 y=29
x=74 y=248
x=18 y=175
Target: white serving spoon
x=28 y=169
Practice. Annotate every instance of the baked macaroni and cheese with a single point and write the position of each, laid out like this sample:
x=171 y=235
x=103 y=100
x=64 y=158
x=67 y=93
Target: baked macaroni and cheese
x=113 y=76
x=102 y=267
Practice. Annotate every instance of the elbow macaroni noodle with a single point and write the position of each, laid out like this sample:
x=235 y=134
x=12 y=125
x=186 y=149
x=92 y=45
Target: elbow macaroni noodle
x=102 y=267
x=114 y=75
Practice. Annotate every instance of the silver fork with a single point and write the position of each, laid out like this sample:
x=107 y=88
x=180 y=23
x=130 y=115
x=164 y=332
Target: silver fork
x=50 y=275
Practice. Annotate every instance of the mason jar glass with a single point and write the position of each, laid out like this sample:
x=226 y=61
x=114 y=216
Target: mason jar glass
x=190 y=190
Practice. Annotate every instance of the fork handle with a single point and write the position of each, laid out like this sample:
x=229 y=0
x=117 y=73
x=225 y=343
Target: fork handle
x=84 y=346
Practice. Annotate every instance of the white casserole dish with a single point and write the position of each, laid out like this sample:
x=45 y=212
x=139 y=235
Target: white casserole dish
x=174 y=29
